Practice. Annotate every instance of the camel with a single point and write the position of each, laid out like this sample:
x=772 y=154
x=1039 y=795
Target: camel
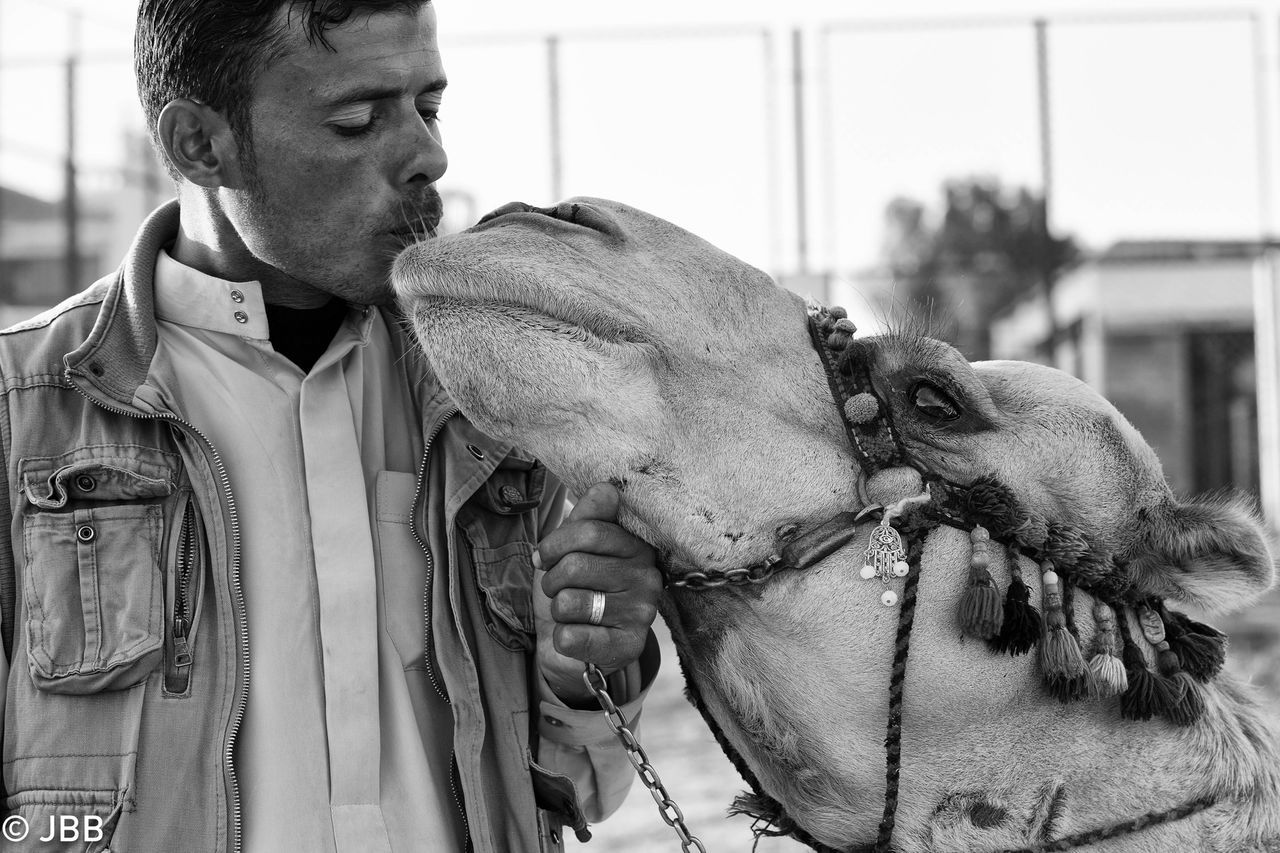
x=619 y=347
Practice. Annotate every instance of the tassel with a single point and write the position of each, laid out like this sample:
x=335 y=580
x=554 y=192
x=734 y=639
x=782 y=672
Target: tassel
x=1060 y=657
x=981 y=613
x=1106 y=670
x=1021 y=619
x=1148 y=693
x=1185 y=703
x=1201 y=649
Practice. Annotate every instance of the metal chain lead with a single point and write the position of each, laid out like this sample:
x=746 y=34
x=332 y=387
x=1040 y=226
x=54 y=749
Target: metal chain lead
x=758 y=573
x=617 y=721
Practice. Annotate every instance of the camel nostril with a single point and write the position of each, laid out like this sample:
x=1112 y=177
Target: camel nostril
x=589 y=216
x=574 y=213
x=509 y=207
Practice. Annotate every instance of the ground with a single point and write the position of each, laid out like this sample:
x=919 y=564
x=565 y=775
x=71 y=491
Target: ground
x=703 y=783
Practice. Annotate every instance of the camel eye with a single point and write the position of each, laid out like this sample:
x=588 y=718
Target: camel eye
x=933 y=402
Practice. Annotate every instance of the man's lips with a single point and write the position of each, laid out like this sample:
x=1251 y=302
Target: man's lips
x=414 y=231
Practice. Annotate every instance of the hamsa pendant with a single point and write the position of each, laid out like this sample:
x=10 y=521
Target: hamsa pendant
x=885 y=557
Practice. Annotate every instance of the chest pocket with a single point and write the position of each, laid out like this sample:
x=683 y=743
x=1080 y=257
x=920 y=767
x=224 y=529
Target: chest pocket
x=501 y=526
x=93 y=588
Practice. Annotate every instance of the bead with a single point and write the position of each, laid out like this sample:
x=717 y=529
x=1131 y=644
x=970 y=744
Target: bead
x=868 y=572
x=1152 y=625
x=979 y=560
x=901 y=569
x=889 y=598
x=979 y=534
x=1050 y=578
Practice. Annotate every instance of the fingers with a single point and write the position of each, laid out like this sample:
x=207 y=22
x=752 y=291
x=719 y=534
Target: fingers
x=570 y=606
x=608 y=648
x=607 y=574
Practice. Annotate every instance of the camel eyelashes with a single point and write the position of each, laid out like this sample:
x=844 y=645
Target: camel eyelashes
x=933 y=402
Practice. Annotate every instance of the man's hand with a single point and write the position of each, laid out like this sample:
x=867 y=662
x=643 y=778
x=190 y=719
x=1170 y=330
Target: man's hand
x=590 y=553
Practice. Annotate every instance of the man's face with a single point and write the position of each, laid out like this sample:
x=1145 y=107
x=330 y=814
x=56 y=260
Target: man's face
x=345 y=153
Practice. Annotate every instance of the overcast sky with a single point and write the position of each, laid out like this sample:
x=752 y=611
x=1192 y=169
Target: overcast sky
x=1154 y=113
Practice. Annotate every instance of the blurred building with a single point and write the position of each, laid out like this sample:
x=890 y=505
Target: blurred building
x=34 y=268
x=36 y=235
x=1165 y=329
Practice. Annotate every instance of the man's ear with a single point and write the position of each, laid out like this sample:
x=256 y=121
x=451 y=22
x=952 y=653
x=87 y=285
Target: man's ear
x=199 y=143
x=1215 y=554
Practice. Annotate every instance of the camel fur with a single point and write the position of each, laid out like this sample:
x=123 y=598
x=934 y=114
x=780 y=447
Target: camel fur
x=619 y=347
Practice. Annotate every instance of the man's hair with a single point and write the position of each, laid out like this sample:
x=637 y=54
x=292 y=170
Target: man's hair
x=213 y=50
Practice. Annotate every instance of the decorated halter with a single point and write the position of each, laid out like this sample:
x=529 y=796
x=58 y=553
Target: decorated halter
x=1188 y=653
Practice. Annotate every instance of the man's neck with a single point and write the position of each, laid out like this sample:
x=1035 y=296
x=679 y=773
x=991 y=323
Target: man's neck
x=207 y=242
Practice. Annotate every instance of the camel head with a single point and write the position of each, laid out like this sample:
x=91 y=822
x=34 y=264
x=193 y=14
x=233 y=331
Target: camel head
x=618 y=347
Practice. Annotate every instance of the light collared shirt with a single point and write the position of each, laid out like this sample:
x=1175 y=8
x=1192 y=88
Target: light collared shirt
x=344 y=745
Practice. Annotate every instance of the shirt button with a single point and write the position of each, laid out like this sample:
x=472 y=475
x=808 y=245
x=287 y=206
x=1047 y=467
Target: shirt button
x=510 y=495
x=237 y=296
x=242 y=317
x=555 y=721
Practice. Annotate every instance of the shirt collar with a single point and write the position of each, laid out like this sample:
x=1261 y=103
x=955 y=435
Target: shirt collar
x=188 y=297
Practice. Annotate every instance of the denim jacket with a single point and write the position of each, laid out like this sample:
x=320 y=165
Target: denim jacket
x=122 y=615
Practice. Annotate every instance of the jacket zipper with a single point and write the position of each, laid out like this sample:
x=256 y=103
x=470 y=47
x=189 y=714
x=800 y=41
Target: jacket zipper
x=237 y=599
x=429 y=656
x=429 y=642
x=188 y=564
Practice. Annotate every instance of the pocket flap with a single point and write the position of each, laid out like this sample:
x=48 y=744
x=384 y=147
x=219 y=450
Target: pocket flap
x=100 y=473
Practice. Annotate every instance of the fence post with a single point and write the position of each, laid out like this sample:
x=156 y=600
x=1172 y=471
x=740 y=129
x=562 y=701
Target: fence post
x=1267 y=352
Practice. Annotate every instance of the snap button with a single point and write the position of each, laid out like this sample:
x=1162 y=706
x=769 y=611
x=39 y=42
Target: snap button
x=85 y=533
x=85 y=483
x=237 y=296
x=510 y=495
x=241 y=317
x=555 y=721
x=476 y=452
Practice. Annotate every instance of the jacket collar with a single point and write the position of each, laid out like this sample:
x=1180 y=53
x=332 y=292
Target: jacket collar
x=113 y=361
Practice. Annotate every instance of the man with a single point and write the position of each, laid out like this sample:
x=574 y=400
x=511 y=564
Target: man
x=264 y=588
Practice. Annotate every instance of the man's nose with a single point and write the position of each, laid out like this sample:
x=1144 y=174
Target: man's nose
x=427 y=160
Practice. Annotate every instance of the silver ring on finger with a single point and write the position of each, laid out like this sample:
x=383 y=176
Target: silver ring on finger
x=597 y=607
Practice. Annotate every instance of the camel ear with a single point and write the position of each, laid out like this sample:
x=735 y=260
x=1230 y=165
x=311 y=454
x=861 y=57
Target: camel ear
x=1214 y=554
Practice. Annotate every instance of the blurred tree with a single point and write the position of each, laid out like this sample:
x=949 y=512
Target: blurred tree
x=988 y=249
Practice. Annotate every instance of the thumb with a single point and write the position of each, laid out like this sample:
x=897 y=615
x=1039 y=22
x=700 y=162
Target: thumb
x=599 y=503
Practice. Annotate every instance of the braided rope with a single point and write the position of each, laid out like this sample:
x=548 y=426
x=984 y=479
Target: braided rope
x=897 y=681
x=1138 y=824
